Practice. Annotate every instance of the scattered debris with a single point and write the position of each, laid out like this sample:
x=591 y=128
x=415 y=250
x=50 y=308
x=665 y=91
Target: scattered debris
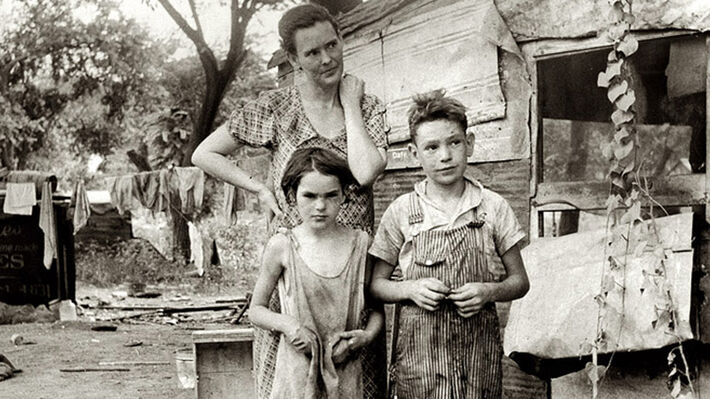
x=16 y=314
x=18 y=339
x=180 y=298
x=147 y=294
x=135 y=363
x=67 y=311
x=120 y=294
x=92 y=369
x=104 y=327
x=136 y=288
x=7 y=370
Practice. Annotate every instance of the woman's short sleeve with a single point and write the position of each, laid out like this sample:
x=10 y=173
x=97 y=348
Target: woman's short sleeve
x=253 y=123
x=374 y=114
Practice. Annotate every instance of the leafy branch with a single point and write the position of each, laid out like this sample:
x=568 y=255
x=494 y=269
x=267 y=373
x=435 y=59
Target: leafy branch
x=628 y=192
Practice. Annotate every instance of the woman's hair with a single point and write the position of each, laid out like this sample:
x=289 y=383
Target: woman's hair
x=319 y=160
x=434 y=105
x=301 y=17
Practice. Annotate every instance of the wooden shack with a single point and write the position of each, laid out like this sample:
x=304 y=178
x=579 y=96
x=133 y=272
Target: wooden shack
x=527 y=72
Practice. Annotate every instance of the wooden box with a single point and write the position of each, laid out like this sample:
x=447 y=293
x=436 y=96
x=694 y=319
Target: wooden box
x=223 y=363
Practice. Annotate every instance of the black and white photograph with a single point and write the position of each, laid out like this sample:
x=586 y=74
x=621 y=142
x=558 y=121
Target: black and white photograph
x=354 y=199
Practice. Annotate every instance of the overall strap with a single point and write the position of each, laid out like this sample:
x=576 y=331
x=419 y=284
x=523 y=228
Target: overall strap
x=415 y=209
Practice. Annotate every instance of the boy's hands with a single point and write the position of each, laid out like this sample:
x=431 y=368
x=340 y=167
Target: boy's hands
x=427 y=293
x=470 y=298
x=300 y=338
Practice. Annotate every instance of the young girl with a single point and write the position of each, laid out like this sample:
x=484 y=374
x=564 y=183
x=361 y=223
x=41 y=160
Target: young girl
x=321 y=270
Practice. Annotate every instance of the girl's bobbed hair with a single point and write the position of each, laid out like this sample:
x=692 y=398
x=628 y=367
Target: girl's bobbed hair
x=319 y=160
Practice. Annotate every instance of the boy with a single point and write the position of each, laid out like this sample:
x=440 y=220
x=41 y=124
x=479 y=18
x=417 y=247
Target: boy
x=448 y=236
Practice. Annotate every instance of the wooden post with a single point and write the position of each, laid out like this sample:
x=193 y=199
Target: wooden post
x=707 y=130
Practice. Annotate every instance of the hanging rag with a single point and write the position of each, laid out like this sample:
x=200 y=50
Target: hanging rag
x=164 y=182
x=191 y=186
x=82 y=208
x=146 y=189
x=121 y=190
x=48 y=224
x=30 y=176
x=233 y=201
x=19 y=199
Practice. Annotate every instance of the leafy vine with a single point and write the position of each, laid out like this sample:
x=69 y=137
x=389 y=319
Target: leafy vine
x=627 y=232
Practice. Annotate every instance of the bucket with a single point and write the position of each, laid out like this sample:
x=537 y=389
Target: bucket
x=185 y=362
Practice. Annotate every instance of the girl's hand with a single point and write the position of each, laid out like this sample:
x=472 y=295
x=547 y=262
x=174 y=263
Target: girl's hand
x=348 y=342
x=301 y=338
x=351 y=91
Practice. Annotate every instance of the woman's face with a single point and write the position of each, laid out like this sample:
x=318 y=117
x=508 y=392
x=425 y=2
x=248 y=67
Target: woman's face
x=318 y=199
x=319 y=51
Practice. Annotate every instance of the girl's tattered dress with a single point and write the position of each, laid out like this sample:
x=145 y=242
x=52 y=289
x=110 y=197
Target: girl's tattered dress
x=325 y=305
x=276 y=120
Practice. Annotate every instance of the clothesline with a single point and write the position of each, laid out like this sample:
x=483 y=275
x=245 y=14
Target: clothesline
x=158 y=190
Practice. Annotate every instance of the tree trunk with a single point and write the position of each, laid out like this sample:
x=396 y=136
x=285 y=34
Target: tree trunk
x=216 y=86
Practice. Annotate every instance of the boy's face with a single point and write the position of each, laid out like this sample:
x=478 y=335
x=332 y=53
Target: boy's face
x=442 y=148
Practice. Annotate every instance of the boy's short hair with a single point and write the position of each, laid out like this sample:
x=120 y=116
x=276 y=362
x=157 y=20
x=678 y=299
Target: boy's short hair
x=434 y=105
x=301 y=17
x=320 y=160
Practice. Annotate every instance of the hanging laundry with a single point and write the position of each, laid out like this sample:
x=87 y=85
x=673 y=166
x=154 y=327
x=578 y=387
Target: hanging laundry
x=146 y=188
x=30 y=176
x=82 y=209
x=233 y=201
x=164 y=190
x=197 y=248
x=121 y=190
x=19 y=199
x=191 y=185
x=48 y=224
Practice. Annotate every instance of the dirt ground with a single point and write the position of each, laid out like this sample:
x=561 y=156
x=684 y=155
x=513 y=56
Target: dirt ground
x=74 y=345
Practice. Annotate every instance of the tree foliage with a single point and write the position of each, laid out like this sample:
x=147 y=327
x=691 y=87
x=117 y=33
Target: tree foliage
x=219 y=72
x=70 y=70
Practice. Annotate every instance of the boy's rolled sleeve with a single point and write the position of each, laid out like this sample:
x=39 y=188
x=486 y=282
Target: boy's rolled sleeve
x=508 y=230
x=388 y=239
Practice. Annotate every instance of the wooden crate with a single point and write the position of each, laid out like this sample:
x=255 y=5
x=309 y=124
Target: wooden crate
x=223 y=363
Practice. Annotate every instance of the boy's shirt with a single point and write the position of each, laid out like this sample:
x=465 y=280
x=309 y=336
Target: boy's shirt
x=393 y=241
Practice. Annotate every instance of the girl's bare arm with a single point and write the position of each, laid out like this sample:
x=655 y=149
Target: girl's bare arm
x=271 y=268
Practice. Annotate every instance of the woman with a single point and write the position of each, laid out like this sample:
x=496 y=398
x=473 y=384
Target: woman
x=325 y=109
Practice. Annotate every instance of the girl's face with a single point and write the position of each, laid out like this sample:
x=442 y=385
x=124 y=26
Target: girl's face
x=318 y=199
